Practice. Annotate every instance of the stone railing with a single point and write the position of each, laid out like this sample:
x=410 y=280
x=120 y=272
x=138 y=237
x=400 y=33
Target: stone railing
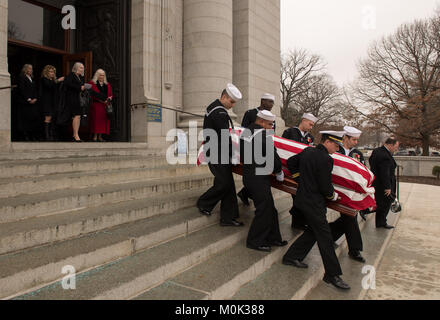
x=417 y=166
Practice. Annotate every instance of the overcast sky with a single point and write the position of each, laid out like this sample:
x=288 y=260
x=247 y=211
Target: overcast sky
x=342 y=30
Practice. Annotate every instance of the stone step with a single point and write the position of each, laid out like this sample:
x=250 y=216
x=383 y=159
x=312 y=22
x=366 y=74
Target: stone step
x=34 y=151
x=282 y=282
x=50 y=203
x=375 y=245
x=37 y=231
x=11 y=187
x=130 y=276
x=221 y=275
x=26 y=168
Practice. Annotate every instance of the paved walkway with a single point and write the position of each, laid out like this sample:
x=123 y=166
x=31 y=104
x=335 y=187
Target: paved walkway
x=410 y=267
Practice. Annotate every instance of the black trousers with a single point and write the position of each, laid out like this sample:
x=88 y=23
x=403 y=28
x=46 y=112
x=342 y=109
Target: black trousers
x=350 y=227
x=265 y=228
x=297 y=216
x=224 y=191
x=245 y=193
x=318 y=230
x=383 y=208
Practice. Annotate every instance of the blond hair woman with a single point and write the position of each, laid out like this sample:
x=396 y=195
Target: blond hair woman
x=102 y=95
x=74 y=84
x=48 y=94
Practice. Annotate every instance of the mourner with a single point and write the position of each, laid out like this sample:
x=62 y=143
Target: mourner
x=48 y=92
x=346 y=224
x=384 y=167
x=28 y=111
x=313 y=167
x=74 y=84
x=267 y=103
x=265 y=230
x=302 y=135
x=217 y=119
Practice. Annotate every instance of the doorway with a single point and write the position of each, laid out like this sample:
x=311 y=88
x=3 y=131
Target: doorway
x=101 y=41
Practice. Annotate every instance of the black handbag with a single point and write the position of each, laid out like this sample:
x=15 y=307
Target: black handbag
x=84 y=101
x=109 y=110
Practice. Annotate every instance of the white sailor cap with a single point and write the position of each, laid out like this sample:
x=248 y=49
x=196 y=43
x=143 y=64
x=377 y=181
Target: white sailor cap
x=310 y=117
x=336 y=136
x=266 y=115
x=268 y=96
x=233 y=92
x=352 y=132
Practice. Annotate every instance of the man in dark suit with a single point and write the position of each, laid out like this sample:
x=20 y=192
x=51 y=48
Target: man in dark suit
x=302 y=135
x=314 y=168
x=384 y=167
x=346 y=224
x=217 y=123
x=267 y=103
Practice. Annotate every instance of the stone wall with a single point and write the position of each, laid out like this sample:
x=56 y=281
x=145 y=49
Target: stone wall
x=257 y=54
x=416 y=166
x=5 y=80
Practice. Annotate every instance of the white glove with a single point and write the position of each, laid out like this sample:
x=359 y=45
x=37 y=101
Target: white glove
x=336 y=197
x=280 y=176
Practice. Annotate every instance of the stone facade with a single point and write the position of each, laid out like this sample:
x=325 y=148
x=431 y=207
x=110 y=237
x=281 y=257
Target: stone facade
x=5 y=80
x=183 y=52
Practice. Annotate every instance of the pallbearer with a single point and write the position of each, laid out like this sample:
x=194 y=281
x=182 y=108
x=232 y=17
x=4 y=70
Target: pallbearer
x=302 y=135
x=260 y=159
x=348 y=225
x=314 y=168
x=217 y=121
x=267 y=103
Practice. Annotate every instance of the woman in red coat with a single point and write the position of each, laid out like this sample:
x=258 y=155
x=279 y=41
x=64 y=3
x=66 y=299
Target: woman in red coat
x=102 y=95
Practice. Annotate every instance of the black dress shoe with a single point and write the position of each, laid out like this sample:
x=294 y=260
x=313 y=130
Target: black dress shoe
x=279 y=243
x=232 y=223
x=357 y=257
x=243 y=199
x=205 y=212
x=337 y=282
x=261 y=248
x=295 y=263
x=388 y=227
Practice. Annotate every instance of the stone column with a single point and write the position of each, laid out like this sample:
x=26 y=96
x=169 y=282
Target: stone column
x=5 y=80
x=257 y=50
x=207 y=55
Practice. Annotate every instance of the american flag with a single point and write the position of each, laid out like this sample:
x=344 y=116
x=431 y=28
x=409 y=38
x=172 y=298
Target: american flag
x=351 y=179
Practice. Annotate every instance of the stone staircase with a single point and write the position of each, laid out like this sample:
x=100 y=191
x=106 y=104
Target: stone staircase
x=126 y=221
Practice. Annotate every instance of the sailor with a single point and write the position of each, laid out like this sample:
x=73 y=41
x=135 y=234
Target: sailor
x=313 y=168
x=302 y=135
x=260 y=160
x=348 y=225
x=267 y=103
x=217 y=123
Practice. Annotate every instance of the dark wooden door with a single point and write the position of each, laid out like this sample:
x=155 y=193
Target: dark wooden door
x=104 y=30
x=85 y=58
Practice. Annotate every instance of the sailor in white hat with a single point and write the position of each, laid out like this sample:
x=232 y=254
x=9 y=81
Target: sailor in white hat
x=314 y=168
x=302 y=135
x=217 y=119
x=264 y=232
x=345 y=224
x=267 y=103
x=351 y=140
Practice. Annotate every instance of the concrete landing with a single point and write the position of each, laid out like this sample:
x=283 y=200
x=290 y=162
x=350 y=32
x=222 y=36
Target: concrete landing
x=410 y=267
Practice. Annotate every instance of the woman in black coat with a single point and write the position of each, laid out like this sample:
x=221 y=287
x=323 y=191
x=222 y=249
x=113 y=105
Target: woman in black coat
x=74 y=84
x=28 y=113
x=48 y=94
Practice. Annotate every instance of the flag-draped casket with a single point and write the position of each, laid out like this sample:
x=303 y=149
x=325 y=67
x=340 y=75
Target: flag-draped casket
x=352 y=180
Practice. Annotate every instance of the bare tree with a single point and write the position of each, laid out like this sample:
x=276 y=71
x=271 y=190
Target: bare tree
x=399 y=82
x=297 y=67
